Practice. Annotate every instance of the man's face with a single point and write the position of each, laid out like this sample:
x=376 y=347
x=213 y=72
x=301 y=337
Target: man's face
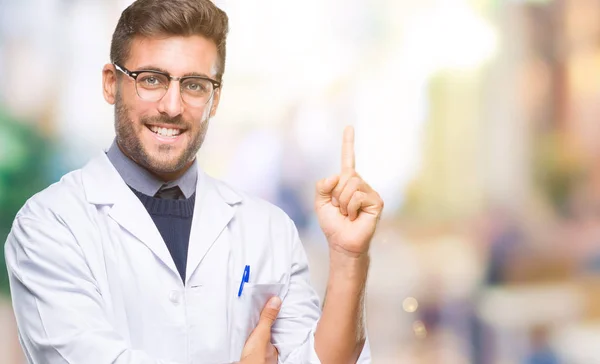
x=136 y=120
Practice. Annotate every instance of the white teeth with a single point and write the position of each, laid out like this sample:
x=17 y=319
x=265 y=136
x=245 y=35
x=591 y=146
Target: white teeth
x=165 y=132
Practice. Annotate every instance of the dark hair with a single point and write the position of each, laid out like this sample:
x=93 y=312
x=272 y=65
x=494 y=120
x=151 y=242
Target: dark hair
x=152 y=18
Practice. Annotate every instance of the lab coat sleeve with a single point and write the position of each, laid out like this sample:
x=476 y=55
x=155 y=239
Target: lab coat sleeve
x=294 y=330
x=57 y=305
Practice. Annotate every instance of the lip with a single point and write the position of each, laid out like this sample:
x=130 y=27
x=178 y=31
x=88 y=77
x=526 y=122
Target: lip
x=163 y=139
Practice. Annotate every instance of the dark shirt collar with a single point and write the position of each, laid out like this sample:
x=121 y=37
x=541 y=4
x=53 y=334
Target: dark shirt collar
x=138 y=178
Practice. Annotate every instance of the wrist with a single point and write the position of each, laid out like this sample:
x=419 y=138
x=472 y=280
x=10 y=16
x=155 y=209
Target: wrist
x=346 y=267
x=346 y=259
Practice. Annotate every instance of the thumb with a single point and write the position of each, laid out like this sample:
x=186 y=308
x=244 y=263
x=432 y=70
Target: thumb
x=261 y=335
x=262 y=332
x=324 y=189
x=269 y=313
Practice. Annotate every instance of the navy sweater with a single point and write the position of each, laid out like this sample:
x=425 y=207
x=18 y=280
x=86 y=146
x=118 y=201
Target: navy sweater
x=173 y=218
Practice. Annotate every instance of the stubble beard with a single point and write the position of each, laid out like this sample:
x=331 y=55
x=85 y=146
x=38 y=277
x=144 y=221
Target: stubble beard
x=131 y=144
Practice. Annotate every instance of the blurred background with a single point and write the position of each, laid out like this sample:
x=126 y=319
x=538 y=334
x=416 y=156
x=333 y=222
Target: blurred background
x=476 y=120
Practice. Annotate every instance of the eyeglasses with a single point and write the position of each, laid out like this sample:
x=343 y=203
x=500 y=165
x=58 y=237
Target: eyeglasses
x=153 y=85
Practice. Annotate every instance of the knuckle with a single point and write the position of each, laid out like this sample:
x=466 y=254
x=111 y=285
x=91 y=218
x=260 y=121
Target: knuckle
x=319 y=184
x=337 y=193
x=345 y=198
x=348 y=199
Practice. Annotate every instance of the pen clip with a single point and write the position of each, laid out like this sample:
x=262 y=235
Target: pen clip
x=245 y=279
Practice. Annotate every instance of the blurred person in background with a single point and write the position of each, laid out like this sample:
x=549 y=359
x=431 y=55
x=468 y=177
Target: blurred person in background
x=117 y=263
x=542 y=352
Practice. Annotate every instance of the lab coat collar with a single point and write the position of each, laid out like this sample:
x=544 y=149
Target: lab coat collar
x=212 y=211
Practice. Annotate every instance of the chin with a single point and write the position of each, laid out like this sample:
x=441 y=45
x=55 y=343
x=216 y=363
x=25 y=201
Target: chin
x=171 y=166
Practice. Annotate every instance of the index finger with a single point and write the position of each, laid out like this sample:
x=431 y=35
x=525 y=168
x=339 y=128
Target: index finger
x=348 y=150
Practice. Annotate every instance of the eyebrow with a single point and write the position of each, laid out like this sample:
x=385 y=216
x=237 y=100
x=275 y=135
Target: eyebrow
x=158 y=69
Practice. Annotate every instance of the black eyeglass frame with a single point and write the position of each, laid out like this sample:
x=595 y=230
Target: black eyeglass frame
x=134 y=74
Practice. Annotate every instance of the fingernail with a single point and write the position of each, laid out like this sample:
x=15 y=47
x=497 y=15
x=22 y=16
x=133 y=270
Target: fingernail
x=274 y=302
x=335 y=202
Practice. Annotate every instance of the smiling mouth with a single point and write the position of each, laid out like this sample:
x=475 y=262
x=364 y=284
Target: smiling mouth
x=165 y=132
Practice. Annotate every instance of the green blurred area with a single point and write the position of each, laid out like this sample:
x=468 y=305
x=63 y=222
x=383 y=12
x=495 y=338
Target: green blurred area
x=25 y=158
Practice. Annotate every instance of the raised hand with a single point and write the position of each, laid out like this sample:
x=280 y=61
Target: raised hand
x=348 y=208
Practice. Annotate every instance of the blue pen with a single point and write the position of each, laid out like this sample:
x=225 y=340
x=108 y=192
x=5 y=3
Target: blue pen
x=245 y=279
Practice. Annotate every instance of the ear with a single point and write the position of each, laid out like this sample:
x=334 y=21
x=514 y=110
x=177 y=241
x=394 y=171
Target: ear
x=109 y=83
x=215 y=103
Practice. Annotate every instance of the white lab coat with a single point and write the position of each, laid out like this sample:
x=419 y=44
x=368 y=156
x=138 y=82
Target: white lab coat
x=92 y=281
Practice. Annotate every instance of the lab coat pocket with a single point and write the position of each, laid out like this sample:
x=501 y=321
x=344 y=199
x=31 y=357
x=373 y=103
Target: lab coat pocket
x=247 y=309
x=253 y=299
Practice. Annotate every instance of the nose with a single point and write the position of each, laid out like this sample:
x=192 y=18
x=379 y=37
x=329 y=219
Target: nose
x=171 y=104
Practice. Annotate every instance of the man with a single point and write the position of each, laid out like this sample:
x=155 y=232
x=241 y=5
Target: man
x=140 y=257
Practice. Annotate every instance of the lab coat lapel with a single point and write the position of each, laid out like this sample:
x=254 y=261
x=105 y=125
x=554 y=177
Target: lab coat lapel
x=104 y=186
x=212 y=212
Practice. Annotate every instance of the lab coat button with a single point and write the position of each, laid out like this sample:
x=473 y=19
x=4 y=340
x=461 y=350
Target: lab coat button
x=174 y=297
